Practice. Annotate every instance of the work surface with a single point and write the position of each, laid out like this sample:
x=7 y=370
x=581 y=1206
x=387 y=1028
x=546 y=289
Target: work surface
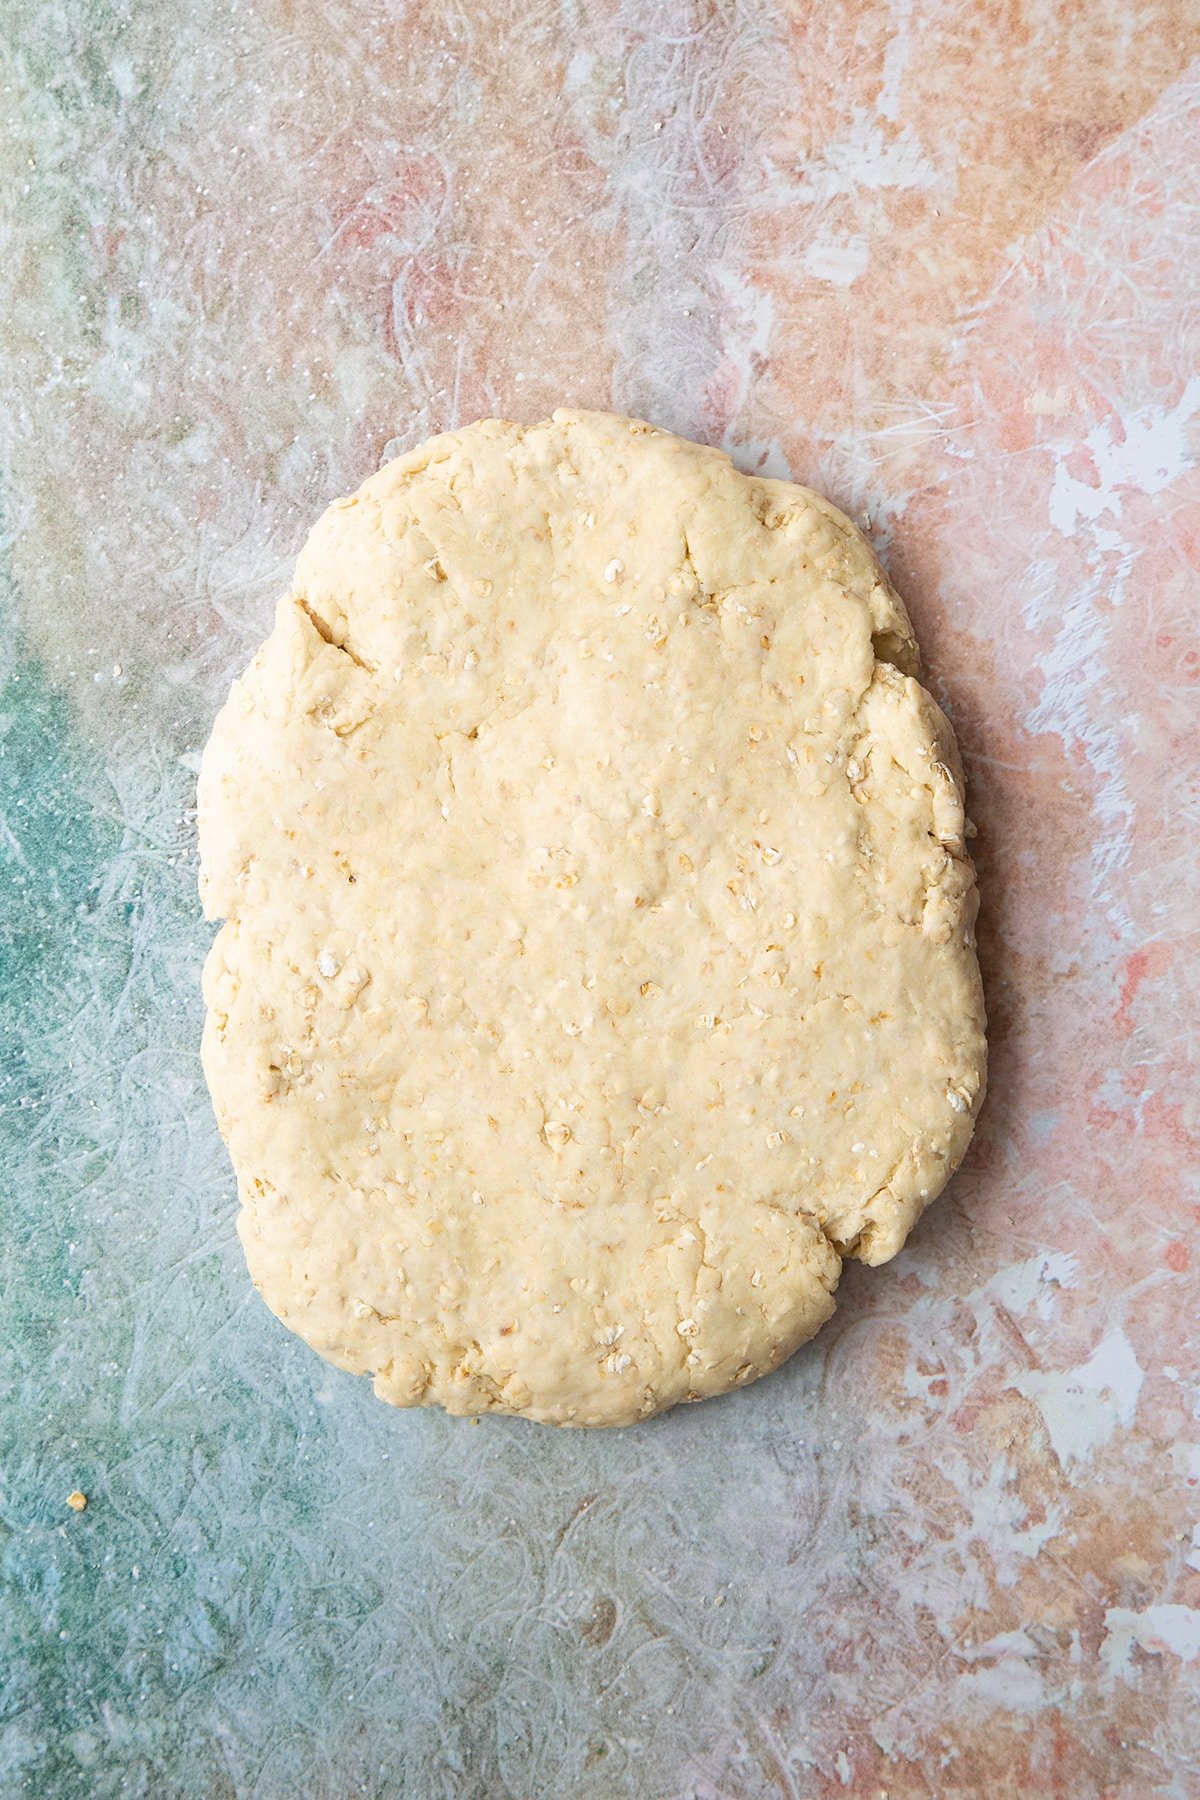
x=938 y=261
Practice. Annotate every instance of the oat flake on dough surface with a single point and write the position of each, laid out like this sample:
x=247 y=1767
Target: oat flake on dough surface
x=598 y=967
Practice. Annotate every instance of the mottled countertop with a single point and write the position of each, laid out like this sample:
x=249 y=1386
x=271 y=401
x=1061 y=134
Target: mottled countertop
x=940 y=260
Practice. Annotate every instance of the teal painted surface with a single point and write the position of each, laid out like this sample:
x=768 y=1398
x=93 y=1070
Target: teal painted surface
x=278 y=1586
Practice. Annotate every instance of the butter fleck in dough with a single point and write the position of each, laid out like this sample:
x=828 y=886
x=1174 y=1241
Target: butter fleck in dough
x=597 y=970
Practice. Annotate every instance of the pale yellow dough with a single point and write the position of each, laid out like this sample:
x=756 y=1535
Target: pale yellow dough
x=598 y=967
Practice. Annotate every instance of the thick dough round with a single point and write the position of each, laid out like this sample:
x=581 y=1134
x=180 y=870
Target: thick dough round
x=598 y=969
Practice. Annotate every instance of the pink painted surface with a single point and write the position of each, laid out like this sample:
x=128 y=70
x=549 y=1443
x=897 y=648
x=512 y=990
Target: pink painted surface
x=940 y=261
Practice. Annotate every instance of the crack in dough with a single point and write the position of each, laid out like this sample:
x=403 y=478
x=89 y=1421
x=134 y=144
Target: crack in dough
x=598 y=969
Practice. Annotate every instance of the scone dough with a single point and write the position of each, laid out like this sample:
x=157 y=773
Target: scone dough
x=598 y=967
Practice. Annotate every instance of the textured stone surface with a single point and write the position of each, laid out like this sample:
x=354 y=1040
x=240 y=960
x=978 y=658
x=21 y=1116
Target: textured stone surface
x=942 y=270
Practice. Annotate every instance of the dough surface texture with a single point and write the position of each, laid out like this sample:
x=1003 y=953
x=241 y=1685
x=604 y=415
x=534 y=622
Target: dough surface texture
x=597 y=970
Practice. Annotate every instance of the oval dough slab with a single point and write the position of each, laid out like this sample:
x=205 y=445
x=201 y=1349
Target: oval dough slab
x=598 y=967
